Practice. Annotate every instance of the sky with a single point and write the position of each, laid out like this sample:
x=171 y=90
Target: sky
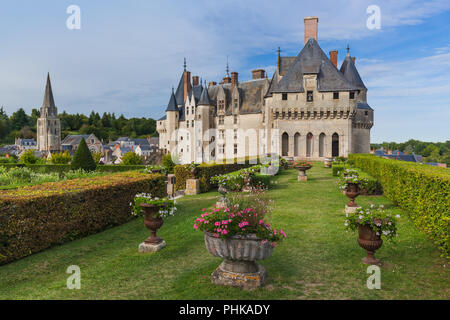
x=127 y=55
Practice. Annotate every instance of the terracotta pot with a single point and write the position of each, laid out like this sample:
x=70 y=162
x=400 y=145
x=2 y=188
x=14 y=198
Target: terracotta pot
x=370 y=241
x=152 y=222
x=239 y=252
x=352 y=191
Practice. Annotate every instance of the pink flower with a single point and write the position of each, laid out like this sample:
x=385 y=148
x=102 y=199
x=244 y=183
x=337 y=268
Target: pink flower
x=264 y=242
x=274 y=231
x=224 y=232
x=283 y=233
x=261 y=222
x=217 y=223
x=195 y=226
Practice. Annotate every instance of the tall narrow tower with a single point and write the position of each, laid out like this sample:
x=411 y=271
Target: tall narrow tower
x=49 y=125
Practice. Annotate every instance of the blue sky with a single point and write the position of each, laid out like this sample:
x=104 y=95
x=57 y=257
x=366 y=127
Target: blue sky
x=128 y=54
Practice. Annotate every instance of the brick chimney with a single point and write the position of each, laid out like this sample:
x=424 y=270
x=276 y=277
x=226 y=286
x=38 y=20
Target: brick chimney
x=195 y=81
x=258 y=74
x=353 y=59
x=333 y=57
x=311 y=28
x=212 y=83
x=226 y=80
x=234 y=79
x=187 y=84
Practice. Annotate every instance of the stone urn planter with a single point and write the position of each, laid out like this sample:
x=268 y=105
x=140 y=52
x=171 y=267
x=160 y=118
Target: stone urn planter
x=248 y=182
x=369 y=241
x=223 y=196
x=352 y=191
x=327 y=162
x=239 y=268
x=302 y=172
x=152 y=222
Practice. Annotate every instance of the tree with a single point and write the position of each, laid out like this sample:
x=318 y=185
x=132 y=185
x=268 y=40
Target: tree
x=19 y=119
x=83 y=158
x=131 y=158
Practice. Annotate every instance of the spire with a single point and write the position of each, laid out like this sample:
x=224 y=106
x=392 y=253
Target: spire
x=48 y=96
x=184 y=65
x=228 y=68
x=279 y=59
x=348 y=50
x=204 y=98
x=172 y=106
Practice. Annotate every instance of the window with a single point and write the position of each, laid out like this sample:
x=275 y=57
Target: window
x=235 y=103
x=352 y=95
x=221 y=119
x=366 y=113
x=235 y=119
x=187 y=136
x=235 y=148
x=222 y=149
x=222 y=134
x=284 y=96
x=187 y=124
x=181 y=138
x=221 y=104
x=235 y=133
x=187 y=110
x=335 y=95
x=309 y=96
x=192 y=123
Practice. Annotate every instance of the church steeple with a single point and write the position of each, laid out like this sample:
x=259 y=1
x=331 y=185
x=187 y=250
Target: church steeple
x=48 y=105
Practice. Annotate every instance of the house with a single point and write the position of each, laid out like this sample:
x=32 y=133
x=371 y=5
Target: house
x=145 y=150
x=119 y=151
x=25 y=144
x=71 y=143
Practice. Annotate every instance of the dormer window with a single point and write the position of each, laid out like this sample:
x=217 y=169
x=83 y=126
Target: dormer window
x=335 y=95
x=309 y=96
x=352 y=95
x=187 y=110
x=284 y=96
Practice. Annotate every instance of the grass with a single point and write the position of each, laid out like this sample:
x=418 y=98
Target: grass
x=318 y=260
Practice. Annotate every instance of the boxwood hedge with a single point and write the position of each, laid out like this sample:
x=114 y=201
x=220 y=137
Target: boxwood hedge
x=35 y=218
x=423 y=191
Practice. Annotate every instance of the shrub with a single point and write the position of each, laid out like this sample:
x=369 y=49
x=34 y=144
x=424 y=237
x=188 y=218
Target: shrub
x=131 y=158
x=168 y=163
x=422 y=191
x=61 y=158
x=83 y=158
x=28 y=157
x=336 y=168
x=204 y=173
x=35 y=218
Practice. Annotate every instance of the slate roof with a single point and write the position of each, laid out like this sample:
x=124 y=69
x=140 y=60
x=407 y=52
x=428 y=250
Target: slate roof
x=350 y=72
x=48 y=96
x=363 y=105
x=154 y=140
x=172 y=106
x=142 y=142
x=75 y=139
x=179 y=94
x=204 y=98
x=311 y=60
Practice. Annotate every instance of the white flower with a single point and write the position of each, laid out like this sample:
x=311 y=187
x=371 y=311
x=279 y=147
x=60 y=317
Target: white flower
x=361 y=217
x=381 y=206
x=397 y=216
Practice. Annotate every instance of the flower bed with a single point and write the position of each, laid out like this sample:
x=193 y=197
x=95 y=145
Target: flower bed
x=423 y=191
x=35 y=218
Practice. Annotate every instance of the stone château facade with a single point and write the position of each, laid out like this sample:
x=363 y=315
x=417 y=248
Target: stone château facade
x=48 y=124
x=310 y=109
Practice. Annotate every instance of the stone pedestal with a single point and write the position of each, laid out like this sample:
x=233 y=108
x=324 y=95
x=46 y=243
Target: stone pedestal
x=351 y=209
x=170 y=185
x=147 y=247
x=192 y=187
x=302 y=176
x=245 y=280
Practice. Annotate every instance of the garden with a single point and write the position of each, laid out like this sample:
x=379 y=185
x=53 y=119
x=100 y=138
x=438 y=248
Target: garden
x=296 y=228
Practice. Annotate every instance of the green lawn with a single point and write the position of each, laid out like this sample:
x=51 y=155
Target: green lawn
x=318 y=260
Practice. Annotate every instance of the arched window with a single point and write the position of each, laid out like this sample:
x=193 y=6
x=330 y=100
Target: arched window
x=335 y=145
x=284 y=144
x=309 y=144
x=321 y=144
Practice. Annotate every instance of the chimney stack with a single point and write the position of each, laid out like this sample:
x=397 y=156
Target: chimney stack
x=353 y=59
x=187 y=84
x=258 y=74
x=234 y=79
x=212 y=83
x=195 y=81
x=311 y=28
x=333 y=57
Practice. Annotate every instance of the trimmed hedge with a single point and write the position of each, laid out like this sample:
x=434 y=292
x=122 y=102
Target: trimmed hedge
x=35 y=218
x=336 y=168
x=423 y=191
x=60 y=168
x=204 y=174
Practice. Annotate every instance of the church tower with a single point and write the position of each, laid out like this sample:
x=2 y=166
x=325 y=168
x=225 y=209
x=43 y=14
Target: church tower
x=49 y=125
